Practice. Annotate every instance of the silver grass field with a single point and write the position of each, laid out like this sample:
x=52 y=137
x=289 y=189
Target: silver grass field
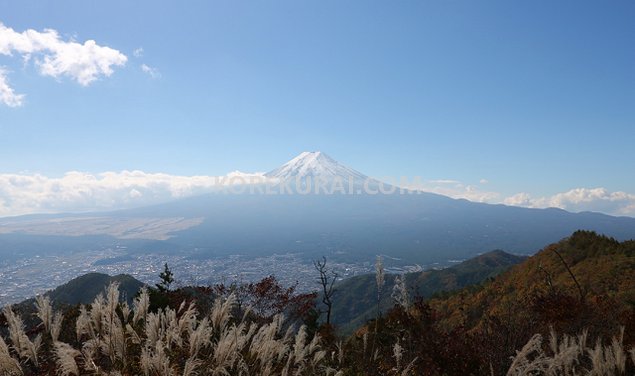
x=120 y=340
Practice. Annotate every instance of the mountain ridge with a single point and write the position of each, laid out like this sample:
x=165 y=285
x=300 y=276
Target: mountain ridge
x=584 y=266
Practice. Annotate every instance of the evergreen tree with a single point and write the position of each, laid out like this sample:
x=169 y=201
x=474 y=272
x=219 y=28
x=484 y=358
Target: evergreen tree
x=167 y=277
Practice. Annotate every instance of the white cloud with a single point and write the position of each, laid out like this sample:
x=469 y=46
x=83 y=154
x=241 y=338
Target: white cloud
x=575 y=200
x=483 y=181
x=7 y=95
x=519 y=199
x=153 y=72
x=78 y=191
x=138 y=52
x=57 y=58
x=580 y=199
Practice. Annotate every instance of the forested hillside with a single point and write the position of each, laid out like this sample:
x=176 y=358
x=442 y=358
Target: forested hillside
x=355 y=299
x=582 y=287
x=585 y=267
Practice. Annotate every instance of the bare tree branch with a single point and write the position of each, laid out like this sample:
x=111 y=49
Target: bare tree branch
x=327 y=281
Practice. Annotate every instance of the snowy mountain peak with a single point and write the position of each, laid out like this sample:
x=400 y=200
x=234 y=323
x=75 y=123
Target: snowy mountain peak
x=314 y=164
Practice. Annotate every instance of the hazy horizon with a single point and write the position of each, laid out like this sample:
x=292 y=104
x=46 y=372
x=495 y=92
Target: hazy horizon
x=77 y=192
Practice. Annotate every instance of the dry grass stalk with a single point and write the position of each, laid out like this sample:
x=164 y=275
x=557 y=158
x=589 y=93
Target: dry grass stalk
x=21 y=343
x=571 y=356
x=65 y=359
x=9 y=365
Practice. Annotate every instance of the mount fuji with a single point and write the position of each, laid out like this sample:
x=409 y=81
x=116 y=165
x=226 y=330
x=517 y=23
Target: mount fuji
x=315 y=164
x=316 y=173
x=414 y=227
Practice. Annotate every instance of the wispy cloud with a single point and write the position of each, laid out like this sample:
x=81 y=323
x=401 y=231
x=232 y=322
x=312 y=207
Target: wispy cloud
x=445 y=181
x=54 y=57
x=7 y=94
x=152 y=72
x=138 y=52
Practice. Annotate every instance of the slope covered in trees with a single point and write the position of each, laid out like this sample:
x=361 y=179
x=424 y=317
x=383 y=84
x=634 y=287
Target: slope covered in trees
x=355 y=299
x=84 y=289
x=568 y=310
x=585 y=267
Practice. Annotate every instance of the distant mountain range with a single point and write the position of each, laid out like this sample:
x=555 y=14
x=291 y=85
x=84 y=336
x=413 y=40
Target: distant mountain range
x=415 y=227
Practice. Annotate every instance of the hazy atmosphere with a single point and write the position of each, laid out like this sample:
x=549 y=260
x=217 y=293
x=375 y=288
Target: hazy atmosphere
x=121 y=104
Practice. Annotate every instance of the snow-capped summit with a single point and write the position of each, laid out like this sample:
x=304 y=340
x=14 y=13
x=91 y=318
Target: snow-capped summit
x=312 y=165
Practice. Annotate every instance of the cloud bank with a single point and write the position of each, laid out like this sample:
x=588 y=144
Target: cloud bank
x=80 y=192
x=575 y=200
x=580 y=199
x=54 y=57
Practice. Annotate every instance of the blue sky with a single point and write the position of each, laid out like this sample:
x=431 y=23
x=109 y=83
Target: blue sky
x=501 y=97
